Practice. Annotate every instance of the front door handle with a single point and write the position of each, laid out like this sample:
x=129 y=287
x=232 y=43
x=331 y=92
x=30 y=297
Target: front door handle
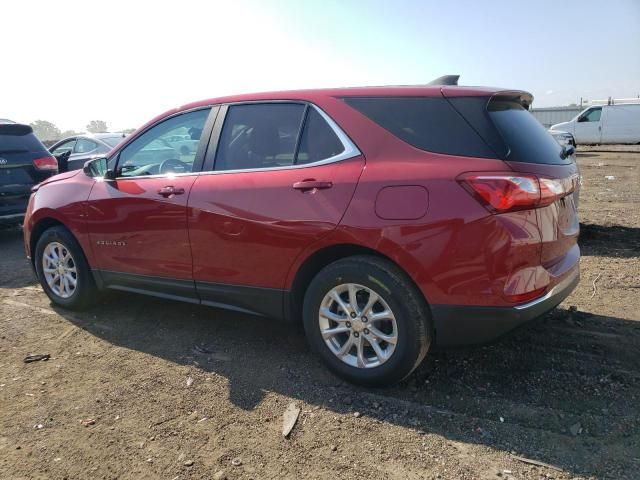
x=312 y=184
x=170 y=191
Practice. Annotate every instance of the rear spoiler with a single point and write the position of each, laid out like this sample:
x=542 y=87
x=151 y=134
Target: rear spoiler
x=523 y=98
x=15 y=129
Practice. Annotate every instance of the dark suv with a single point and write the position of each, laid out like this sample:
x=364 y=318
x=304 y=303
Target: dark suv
x=24 y=162
x=385 y=219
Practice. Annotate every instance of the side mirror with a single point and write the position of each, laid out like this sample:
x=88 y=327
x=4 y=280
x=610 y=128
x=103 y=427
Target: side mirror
x=98 y=168
x=567 y=151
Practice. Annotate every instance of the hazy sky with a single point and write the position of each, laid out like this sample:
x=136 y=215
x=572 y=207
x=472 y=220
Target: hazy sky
x=124 y=61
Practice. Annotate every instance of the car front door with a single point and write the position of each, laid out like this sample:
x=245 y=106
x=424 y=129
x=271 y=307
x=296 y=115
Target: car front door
x=281 y=178
x=589 y=126
x=138 y=221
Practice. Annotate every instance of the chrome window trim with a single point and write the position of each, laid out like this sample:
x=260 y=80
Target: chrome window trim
x=350 y=151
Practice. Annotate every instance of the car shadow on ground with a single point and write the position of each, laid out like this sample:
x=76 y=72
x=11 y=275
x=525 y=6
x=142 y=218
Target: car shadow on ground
x=14 y=267
x=560 y=391
x=609 y=241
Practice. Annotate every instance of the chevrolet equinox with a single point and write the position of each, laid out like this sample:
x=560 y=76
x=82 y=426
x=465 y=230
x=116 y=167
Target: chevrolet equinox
x=385 y=219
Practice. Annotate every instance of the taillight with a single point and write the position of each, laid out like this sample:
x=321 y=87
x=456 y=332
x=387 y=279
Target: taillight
x=525 y=297
x=503 y=192
x=46 y=163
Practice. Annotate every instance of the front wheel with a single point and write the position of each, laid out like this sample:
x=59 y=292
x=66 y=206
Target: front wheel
x=63 y=270
x=367 y=320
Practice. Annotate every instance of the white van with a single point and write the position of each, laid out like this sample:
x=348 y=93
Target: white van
x=618 y=123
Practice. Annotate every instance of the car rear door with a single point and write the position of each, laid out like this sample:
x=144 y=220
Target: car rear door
x=138 y=221
x=281 y=178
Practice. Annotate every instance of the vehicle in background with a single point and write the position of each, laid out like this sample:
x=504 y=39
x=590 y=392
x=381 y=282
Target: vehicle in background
x=563 y=138
x=183 y=143
x=613 y=123
x=461 y=227
x=76 y=150
x=24 y=162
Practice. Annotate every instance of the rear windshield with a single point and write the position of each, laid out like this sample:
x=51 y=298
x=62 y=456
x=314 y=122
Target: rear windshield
x=527 y=139
x=428 y=123
x=12 y=143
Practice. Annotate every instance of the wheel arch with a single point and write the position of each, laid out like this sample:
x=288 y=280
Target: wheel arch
x=41 y=226
x=320 y=259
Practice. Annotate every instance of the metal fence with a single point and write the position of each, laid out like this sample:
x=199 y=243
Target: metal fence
x=552 y=115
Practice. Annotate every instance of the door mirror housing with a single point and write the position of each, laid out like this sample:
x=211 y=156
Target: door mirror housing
x=567 y=151
x=98 y=167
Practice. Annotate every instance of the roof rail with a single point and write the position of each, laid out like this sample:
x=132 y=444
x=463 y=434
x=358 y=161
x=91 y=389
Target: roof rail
x=613 y=101
x=445 y=80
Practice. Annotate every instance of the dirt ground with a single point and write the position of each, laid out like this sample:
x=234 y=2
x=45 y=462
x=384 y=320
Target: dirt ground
x=177 y=391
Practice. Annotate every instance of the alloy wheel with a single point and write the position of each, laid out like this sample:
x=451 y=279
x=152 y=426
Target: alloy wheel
x=59 y=269
x=358 y=325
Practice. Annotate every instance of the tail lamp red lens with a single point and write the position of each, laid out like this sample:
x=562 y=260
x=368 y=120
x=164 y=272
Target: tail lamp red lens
x=504 y=192
x=526 y=297
x=46 y=163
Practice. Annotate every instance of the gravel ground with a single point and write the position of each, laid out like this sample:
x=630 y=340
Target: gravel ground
x=143 y=388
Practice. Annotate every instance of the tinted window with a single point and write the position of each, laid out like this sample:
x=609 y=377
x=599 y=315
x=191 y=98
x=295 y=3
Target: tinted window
x=318 y=141
x=259 y=136
x=84 y=146
x=527 y=139
x=592 y=115
x=428 y=123
x=64 y=147
x=152 y=154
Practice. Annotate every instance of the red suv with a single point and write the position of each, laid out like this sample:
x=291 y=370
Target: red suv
x=385 y=219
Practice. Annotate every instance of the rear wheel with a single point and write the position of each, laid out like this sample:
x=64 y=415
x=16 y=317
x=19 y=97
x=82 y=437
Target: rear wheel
x=367 y=321
x=63 y=270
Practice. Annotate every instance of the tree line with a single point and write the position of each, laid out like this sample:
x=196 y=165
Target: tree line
x=48 y=131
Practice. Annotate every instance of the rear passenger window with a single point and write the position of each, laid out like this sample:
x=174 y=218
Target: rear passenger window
x=319 y=141
x=259 y=136
x=427 y=123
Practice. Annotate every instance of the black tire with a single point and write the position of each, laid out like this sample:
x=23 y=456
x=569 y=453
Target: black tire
x=86 y=292
x=414 y=326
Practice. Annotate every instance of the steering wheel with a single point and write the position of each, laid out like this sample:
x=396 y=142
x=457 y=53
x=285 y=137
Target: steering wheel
x=173 y=165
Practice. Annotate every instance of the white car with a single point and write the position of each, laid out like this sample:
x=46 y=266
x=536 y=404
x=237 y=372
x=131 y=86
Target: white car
x=615 y=123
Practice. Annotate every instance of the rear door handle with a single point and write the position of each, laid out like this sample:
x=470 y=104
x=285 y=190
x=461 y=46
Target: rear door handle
x=312 y=184
x=170 y=191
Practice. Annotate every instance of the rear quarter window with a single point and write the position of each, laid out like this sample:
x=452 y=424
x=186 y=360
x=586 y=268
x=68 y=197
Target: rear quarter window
x=427 y=123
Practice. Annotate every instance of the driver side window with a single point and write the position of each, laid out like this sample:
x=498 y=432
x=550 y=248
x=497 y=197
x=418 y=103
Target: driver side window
x=592 y=115
x=156 y=151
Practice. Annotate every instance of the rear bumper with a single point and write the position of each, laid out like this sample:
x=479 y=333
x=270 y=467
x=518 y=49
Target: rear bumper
x=11 y=219
x=467 y=325
x=13 y=206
